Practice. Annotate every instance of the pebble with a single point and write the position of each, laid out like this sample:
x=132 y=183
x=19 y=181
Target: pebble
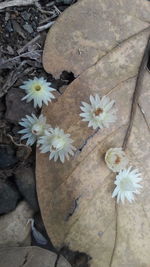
x=62 y=262
x=14 y=230
x=18 y=29
x=34 y=25
x=10 y=50
x=25 y=180
x=7 y=16
x=9 y=197
x=7 y=156
x=25 y=15
x=16 y=109
x=30 y=257
x=27 y=27
x=9 y=27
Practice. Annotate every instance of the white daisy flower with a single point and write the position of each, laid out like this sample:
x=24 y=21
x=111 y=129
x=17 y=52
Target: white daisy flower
x=58 y=144
x=33 y=128
x=127 y=184
x=38 y=90
x=116 y=159
x=99 y=112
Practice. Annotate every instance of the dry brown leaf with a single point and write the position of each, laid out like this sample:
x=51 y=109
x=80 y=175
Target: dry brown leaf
x=75 y=197
x=89 y=29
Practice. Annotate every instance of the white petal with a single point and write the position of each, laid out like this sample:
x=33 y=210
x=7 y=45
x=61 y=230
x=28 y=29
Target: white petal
x=115 y=192
x=101 y=120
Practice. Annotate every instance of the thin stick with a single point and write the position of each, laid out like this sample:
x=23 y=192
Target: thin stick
x=35 y=39
x=50 y=4
x=17 y=3
x=28 y=148
x=53 y=16
x=137 y=92
x=57 y=10
x=21 y=55
x=45 y=27
x=43 y=11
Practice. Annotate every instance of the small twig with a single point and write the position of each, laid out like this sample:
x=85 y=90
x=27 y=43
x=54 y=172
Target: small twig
x=137 y=92
x=17 y=3
x=22 y=49
x=12 y=78
x=16 y=144
x=57 y=10
x=28 y=148
x=50 y=4
x=45 y=21
x=47 y=12
x=21 y=55
x=46 y=26
x=53 y=16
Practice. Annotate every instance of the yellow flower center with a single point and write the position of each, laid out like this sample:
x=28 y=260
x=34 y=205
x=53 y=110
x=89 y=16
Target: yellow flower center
x=37 y=87
x=98 y=111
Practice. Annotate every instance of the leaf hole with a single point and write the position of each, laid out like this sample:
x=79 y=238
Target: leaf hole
x=67 y=76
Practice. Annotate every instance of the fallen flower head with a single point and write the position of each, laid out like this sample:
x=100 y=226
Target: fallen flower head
x=116 y=159
x=57 y=143
x=33 y=128
x=99 y=113
x=127 y=184
x=38 y=90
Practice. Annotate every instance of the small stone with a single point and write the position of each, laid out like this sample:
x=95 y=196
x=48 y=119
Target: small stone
x=27 y=257
x=25 y=180
x=62 y=262
x=9 y=197
x=18 y=28
x=14 y=230
x=34 y=25
x=10 y=50
x=9 y=27
x=25 y=15
x=7 y=156
x=7 y=16
x=27 y=27
x=16 y=108
x=30 y=257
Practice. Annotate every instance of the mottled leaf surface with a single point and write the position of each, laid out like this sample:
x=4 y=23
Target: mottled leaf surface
x=90 y=29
